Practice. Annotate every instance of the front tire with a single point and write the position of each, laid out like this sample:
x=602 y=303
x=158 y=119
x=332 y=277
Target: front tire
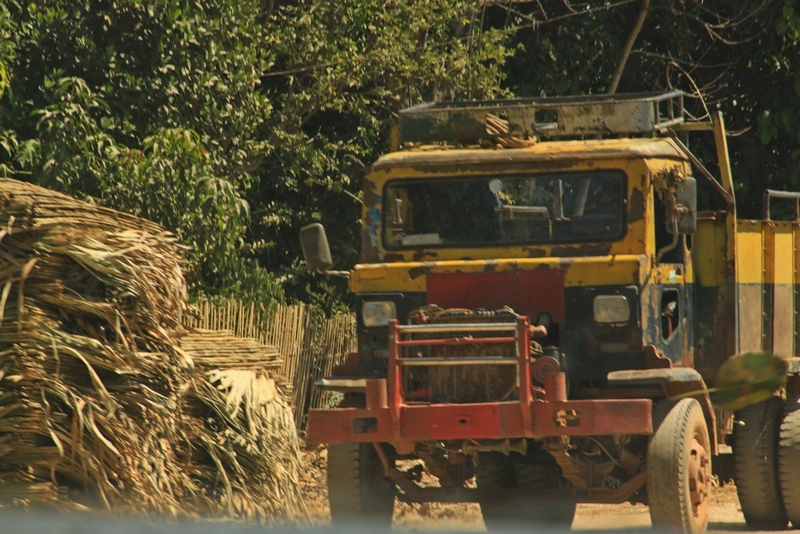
x=544 y=476
x=755 y=456
x=679 y=468
x=496 y=471
x=357 y=487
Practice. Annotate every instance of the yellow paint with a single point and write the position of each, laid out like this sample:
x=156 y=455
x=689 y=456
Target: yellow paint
x=688 y=275
x=668 y=273
x=796 y=248
x=750 y=252
x=709 y=254
x=565 y=156
x=587 y=271
x=784 y=253
x=592 y=149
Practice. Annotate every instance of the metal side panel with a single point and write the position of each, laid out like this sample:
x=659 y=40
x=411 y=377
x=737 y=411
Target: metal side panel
x=714 y=294
x=783 y=290
x=750 y=280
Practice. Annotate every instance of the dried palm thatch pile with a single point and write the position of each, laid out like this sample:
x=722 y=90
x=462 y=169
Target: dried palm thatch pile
x=106 y=400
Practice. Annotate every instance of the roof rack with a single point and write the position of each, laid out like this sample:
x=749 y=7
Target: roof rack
x=567 y=116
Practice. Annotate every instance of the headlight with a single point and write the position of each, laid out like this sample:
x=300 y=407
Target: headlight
x=378 y=313
x=611 y=309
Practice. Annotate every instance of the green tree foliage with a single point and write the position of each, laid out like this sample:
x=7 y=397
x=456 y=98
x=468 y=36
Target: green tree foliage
x=191 y=112
x=236 y=122
x=739 y=57
x=342 y=71
x=148 y=107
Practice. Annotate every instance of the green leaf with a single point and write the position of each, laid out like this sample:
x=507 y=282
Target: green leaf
x=749 y=378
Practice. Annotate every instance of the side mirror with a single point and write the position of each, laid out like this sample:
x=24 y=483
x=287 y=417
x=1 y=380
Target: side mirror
x=316 y=251
x=685 y=211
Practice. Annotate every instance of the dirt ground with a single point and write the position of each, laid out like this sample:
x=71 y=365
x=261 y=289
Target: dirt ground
x=726 y=514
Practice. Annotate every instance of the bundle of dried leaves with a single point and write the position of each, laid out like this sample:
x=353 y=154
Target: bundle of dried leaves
x=106 y=400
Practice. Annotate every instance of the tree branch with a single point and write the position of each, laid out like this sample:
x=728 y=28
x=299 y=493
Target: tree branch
x=637 y=27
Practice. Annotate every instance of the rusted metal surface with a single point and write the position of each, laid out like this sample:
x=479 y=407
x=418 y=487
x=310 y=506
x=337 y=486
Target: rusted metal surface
x=551 y=156
x=779 y=275
x=403 y=420
x=544 y=365
x=675 y=382
x=636 y=206
x=555 y=387
x=377 y=394
x=496 y=420
x=576 y=270
x=455 y=341
x=635 y=377
x=655 y=359
x=716 y=294
x=567 y=116
x=751 y=317
x=767 y=279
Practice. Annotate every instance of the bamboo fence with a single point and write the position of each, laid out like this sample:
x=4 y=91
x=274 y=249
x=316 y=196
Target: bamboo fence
x=309 y=344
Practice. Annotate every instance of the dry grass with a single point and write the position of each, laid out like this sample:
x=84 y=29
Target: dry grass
x=106 y=400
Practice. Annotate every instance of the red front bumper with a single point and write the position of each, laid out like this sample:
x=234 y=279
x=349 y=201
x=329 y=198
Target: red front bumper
x=388 y=417
x=440 y=422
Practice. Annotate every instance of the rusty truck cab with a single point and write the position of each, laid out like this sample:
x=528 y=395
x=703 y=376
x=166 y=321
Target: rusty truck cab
x=571 y=234
x=524 y=305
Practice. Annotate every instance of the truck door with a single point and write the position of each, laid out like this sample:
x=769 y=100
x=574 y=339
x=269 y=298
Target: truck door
x=669 y=325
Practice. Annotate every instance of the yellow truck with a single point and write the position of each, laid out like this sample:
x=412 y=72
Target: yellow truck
x=541 y=306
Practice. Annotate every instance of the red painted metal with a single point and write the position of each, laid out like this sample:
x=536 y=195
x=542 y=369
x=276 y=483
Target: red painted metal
x=592 y=417
x=395 y=378
x=377 y=395
x=524 y=380
x=527 y=292
x=400 y=421
x=490 y=420
x=456 y=341
x=555 y=387
x=341 y=425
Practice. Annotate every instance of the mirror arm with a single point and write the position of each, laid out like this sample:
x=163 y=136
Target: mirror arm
x=696 y=162
x=672 y=245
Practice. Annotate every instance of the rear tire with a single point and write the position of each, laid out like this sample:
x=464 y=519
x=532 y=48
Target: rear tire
x=755 y=456
x=789 y=460
x=679 y=468
x=357 y=487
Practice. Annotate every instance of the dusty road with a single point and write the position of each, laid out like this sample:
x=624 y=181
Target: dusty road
x=725 y=513
x=725 y=517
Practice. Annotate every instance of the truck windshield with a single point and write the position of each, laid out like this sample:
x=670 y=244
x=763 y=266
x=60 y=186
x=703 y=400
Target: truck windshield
x=492 y=210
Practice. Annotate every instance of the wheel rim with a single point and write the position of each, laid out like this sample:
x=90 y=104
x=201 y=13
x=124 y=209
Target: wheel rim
x=699 y=479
